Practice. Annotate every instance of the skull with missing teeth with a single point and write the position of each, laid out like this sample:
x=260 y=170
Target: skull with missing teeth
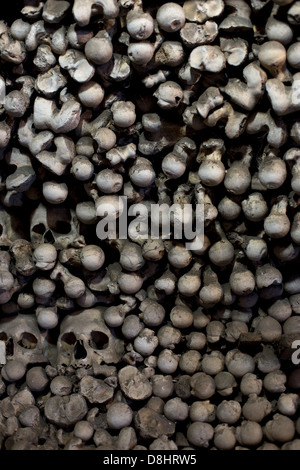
x=85 y=340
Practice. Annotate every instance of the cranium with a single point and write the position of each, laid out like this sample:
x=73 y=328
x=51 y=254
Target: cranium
x=85 y=340
x=56 y=225
x=22 y=338
x=10 y=228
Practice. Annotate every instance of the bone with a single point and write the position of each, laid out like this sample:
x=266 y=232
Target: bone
x=82 y=10
x=93 y=335
x=46 y=115
x=143 y=343
x=44 y=58
x=35 y=142
x=77 y=65
x=95 y=390
x=44 y=224
x=283 y=98
x=23 y=332
x=65 y=411
x=22 y=252
x=57 y=161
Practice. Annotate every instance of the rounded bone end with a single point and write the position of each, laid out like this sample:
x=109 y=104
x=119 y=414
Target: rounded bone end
x=45 y=256
x=13 y=370
x=91 y=94
x=170 y=17
x=54 y=192
x=47 y=318
x=272 y=55
x=92 y=257
x=99 y=50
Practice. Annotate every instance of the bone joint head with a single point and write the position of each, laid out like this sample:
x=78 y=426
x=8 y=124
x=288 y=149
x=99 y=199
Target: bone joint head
x=150 y=226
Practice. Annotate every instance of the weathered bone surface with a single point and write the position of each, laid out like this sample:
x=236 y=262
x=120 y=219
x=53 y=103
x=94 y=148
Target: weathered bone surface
x=85 y=341
x=45 y=223
x=142 y=342
x=22 y=334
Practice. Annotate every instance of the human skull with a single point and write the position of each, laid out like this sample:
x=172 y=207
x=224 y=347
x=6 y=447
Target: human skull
x=22 y=338
x=85 y=340
x=56 y=225
x=10 y=228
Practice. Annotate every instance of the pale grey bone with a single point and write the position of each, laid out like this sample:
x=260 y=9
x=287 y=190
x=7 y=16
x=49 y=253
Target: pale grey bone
x=248 y=94
x=77 y=343
x=11 y=228
x=158 y=134
x=55 y=10
x=44 y=58
x=6 y=127
x=42 y=226
x=47 y=116
x=24 y=176
x=77 y=65
x=235 y=50
x=193 y=34
x=21 y=332
x=203 y=10
x=235 y=121
x=276 y=128
x=83 y=9
x=284 y=99
x=50 y=82
x=32 y=9
x=239 y=19
x=17 y=101
x=11 y=50
x=116 y=69
x=57 y=161
x=35 y=142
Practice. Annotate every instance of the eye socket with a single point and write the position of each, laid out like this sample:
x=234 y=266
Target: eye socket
x=28 y=341
x=3 y=336
x=61 y=227
x=9 y=346
x=98 y=340
x=39 y=228
x=59 y=220
x=69 y=338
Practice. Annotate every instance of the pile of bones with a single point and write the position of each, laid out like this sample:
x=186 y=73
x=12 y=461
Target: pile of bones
x=142 y=343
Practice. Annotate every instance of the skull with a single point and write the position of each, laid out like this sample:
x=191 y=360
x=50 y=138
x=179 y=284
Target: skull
x=22 y=338
x=10 y=227
x=56 y=225
x=86 y=341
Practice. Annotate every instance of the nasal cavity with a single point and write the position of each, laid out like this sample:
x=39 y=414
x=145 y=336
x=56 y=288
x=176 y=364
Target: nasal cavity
x=48 y=237
x=10 y=349
x=79 y=351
